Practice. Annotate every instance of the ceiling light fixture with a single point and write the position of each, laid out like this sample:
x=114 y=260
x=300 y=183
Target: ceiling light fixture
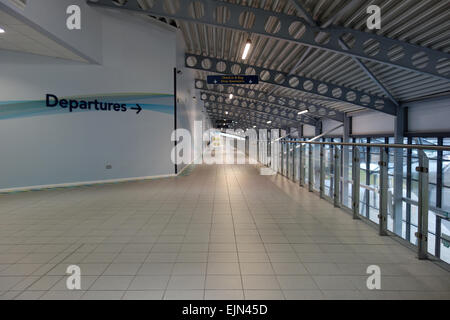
x=248 y=45
x=2 y=30
x=269 y=122
x=231 y=96
x=303 y=112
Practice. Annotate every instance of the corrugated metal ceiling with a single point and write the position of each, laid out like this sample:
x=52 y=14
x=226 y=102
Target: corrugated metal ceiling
x=420 y=22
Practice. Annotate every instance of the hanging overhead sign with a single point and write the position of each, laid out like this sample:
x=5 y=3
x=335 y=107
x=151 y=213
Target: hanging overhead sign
x=233 y=79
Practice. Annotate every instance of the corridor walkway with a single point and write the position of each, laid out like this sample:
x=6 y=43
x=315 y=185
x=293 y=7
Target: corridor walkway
x=222 y=232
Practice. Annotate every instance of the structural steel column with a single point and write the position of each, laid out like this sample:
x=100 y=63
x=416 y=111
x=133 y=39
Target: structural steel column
x=384 y=186
x=258 y=156
x=356 y=172
x=301 y=163
x=346 y=159
x=422 y=228
x=311 y=169
x=398 y=170
x=337 y=176
x=322 y=171
x=294 y=151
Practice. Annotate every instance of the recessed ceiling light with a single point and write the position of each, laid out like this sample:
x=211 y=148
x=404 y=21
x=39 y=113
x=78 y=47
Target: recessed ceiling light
x=246 y=49
x=2 y=30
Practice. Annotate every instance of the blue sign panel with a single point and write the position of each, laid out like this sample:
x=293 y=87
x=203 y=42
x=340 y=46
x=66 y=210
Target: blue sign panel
x=233 y=79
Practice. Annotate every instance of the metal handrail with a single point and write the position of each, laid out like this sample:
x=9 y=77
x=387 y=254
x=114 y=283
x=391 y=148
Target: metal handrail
x=438 y=211
x=385 y=200
x=374 y=145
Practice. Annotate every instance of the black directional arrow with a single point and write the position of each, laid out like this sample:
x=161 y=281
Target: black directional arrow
x=138 y=109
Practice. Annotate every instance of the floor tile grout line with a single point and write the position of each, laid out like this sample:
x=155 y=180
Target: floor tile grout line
x=259 y=234
x=42 y=276
x=234 y=231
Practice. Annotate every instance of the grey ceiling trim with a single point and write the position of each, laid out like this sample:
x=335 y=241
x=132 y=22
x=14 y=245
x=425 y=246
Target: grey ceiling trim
x=264 y=97
x=303 y=84
x=365 y=46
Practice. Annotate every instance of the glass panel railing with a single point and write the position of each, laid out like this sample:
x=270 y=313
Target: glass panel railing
x=425 y=173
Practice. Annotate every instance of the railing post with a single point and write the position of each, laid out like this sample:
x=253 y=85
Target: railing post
x=337 y=176
x=301 y=162
x=258 y=148
x=310 y=169
x=285 y=158
x=294 y=151
x=422 y=227
x=269 y=149
x=322 y=171
x=384 y=186
x=286 y=162
x=292 y=167
x=356 y=182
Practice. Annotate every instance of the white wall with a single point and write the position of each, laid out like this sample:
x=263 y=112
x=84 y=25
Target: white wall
x=329 y=124
x=189 y=109
x=49 y=16
x=431 y=116
x=373 y=122
x=309 y=131
x=60 y=147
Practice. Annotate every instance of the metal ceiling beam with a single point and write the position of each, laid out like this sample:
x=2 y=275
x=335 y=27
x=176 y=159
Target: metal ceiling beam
x=371 y=76
x=299 y=83
x=281 y=112
x=249 y=124
x=278 y=101
x=291 y=28
x=361 y=64
x=300 y=61
x=289 y=116
x=302 y=12
x=219 y=115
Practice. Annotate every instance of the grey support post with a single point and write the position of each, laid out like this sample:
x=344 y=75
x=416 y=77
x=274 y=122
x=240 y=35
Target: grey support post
x=310 y=169
x=337 y=176
x=346 y=159
x=384 y=186
x=422 y=228
x=286 y=162
x=399 y=129
x=356 y=182
x=322 y=171
x=294 y=151
x=301 y=162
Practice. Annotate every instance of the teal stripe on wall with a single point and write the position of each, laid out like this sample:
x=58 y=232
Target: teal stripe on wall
x=162 y=103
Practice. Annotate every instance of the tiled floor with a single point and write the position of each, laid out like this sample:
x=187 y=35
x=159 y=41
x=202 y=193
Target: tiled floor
x=223 y=232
